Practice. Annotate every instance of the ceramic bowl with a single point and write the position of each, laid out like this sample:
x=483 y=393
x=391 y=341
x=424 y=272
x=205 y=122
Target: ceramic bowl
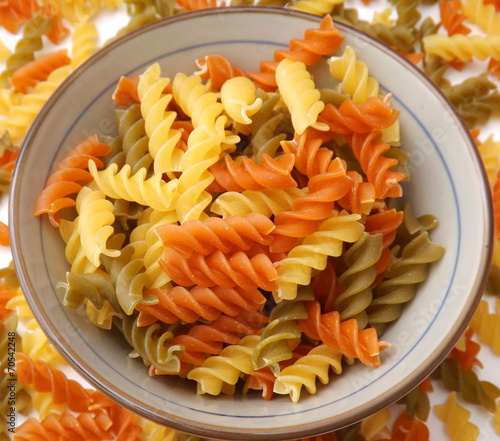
x=447 y=181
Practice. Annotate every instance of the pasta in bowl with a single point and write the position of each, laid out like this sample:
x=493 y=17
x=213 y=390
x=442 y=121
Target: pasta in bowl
x=251 y=233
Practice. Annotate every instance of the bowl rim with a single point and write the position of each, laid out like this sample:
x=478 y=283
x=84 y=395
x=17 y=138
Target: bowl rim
x=121 y=396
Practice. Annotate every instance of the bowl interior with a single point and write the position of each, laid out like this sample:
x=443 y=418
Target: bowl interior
x=447 y=180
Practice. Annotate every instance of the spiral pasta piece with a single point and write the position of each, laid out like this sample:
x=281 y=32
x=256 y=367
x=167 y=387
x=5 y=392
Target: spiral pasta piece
x=307 y=370
x=156 y=432
x=385 y=222
x=8 y=100
x=408 y=12
x=309 y=50
x=369 y=151
x=354 y=76
x=5 y=296
x=343 y=336
x=120 y=184
x=318 y=7
x=189 y=305
x=22 y=115
x=129 y=279
x=466 y=383
x=27 y=76
x=268 y=202
x=38 y=26
x=73 y=251
x=356 y=281
x=349 y=117
x=102 y=318
x=360 y=199
x=8 y=276
x=217 y=70
x=397 y=36
x=263 y=380
x=36 y=345
x=197 y=101
x=226 y=235
x=163 y=139
x=456 y=419
x=485 y=16
x=131 y=129
x=462 y=47
x=204 y=340
x=466 y=350
x=376 y=425
x=298 y=90
x=45 y=378
x=417 y=402
x=267 y=133
x=244 y=174
x=83 y=427
x=238 y=98
x=146 y=222
x=281 y=335
x=95 y=225
x=308 y=211
x=148 y=14
x=95 y=287
x=490 y=154
x=310 y=158
x=150 y=344
x=204 y=145
x=124 y=424
x=126 y=93
x=401 y=280
x=44 y=406
x=19 y=305
x=384 y=17
x=148 y=246
x=220 y=373
x=296 y=268
x=15 y=14
x=84 y=42
x=215 y=269
x=197 y=5
x=4 y=51
x=486 y=324
x=413 y=225
x=453 y=17
x=405 y=428
x=69 y=177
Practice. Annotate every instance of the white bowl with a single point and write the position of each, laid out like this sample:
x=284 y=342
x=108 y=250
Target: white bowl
x=447 y=181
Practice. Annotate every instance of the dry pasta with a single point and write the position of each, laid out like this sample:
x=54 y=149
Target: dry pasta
x=299 y=93
x=84 y=42
x=22 y=115
x=306 y=371
x=456 y=419
x=463 y=47
x=204 y=228
x=319 y=7
x=484 y=15
x=238 y=97
x=376 y=425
